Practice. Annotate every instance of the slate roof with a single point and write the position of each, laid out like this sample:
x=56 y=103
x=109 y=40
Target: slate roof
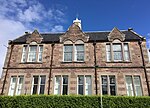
x=93 y=36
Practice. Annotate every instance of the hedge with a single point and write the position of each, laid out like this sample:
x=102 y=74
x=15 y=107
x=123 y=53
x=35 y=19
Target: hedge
x=49 y=101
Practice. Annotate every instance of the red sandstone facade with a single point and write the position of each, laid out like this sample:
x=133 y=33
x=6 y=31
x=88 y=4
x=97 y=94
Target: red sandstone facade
x=93 y=68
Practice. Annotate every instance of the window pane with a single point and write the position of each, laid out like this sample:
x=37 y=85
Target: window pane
x=137 y=84
x=57 y=85
x=42 y=88
x=116 y=47
x=79 y=53
x=104 y=85
x=32 y=53
x=43 y=79
x=65 y=90
x=117 y=51
x=88 y=85
x=24 y=53
x=80 y=79
x=65 y=85
x=19 y=85
x=12 y=86
x=129 y=86
x=40 y=53
x=65 y=79
x=80 y=89
x=34 y=89
x=112 y=79
x=108 y=47
x=126 y=52
x=104 y=79
x=42 y=84
x=36 y=79
x=80 y=84
x=104 y=90
x=112 y=85
x=112 y=90
x=68 y=52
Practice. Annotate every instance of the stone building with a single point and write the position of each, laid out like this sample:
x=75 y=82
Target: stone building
x=76 y=62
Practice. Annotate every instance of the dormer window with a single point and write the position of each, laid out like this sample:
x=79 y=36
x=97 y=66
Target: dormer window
x=117 y=52
x=73 y=52
x=32 y=53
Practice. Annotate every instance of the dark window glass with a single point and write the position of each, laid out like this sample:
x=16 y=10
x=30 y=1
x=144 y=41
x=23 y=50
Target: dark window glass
x=80 y=89
x=42 y=79
x=80 y=84
x=65 y=89
x=65 y=85
x=35 y=89
x=36 y=79
x=42 y=87
x=112 y=85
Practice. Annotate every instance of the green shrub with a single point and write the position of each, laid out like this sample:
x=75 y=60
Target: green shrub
x=49 y=101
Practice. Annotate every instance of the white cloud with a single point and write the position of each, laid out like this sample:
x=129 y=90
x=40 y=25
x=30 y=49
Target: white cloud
x=57 y=28
x=18 y=16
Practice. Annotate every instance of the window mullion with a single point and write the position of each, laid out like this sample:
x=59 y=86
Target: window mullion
x=37 y=52
x=73 y=52
x=84 y=84
x=108 y=85
x=38 y=86
x=111 y=52
x=61 y=85
x=122 y=50
x=133 y=85
x=15 y=85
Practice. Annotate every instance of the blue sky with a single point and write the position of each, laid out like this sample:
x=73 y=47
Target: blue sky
x=18 y=16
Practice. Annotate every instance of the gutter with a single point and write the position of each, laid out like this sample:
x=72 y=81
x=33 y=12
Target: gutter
x=4 y=82
x=95 y=67
x=50 y=69
x=144 y=66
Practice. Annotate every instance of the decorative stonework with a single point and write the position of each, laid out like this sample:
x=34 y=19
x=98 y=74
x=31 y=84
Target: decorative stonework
x=34 y=37
x=73 y=34
x=116 y=34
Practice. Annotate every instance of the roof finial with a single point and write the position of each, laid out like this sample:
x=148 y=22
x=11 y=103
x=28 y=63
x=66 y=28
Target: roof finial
x=77 y=21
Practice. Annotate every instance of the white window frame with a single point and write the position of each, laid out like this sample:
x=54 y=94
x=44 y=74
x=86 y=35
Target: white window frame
x=38 y=85
x=84 y=84
x=133 y=85
x=108 y=84
x=25 y=53
x=16 y=85
x=122 y=52
x=61 y=85
x=74 y=53
x=65 y=52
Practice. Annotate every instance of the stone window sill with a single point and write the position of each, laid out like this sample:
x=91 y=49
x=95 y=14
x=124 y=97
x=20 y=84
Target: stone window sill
x=118 y=62
x=65 y=62
x=31 y=63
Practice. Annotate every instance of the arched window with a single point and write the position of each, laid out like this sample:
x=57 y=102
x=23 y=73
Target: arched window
x=117 y=51
x=73 y=51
